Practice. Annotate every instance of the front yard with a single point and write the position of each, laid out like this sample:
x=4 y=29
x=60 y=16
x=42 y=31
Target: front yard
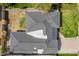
x=69 y=23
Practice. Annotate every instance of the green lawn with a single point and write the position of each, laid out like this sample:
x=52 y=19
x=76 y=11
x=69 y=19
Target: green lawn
x=69 y=23
x=67 y=54
x=69 y=20
x=69 y=6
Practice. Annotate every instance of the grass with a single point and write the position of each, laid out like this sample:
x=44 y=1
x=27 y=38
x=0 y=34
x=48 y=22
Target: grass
x=22 y=23
x=69 y=23
x=69 y=6
x=67 y=54
x=43 y=6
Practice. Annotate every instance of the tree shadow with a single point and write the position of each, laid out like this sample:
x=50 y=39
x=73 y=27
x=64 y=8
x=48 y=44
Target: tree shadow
x=59 y=41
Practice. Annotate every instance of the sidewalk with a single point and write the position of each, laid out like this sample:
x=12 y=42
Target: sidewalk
x=69 y=45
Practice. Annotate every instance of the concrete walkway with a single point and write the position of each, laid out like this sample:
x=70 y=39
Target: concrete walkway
x=69 y=45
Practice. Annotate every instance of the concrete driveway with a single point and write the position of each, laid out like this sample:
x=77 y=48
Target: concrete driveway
x=69 y=45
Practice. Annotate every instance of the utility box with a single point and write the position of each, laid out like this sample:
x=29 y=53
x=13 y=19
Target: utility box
x=40 y=36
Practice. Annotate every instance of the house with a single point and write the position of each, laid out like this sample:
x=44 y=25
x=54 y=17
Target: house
x=40 y=36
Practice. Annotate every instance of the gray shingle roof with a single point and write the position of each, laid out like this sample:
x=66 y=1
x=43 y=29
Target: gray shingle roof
x=36 y=16
x=36 y=20
x=52 y=17
x=23 y=37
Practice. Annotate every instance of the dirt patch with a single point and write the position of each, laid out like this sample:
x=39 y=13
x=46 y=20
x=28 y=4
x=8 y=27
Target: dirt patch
x=15 y=16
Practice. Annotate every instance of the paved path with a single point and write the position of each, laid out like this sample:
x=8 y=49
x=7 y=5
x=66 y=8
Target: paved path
x=69 y=45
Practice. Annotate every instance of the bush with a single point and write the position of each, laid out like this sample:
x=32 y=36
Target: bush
x=43 y=6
